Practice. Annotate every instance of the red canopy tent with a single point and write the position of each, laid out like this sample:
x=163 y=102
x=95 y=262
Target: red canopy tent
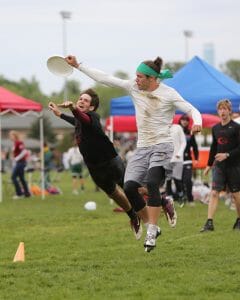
x=128 y=123
x=18 y=105
x=11 y=101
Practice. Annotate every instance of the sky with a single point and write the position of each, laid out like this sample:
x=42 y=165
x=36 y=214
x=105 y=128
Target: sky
x=112 y=35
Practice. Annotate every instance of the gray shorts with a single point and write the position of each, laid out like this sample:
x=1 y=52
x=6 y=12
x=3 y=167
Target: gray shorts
x=145 y=158
x=176 y=170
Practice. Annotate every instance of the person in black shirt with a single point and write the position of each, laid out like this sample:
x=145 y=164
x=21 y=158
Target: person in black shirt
x=224 y=158
x=187 y=158
x=105 y=166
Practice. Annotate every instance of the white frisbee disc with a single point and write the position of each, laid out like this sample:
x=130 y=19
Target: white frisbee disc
x=90 y=205
x=58 y=66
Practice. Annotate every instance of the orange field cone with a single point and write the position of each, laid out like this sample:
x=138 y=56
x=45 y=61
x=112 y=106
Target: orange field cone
x=20 y=255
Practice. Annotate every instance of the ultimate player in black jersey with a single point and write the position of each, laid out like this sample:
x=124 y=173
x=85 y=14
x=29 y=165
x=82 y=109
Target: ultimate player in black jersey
x=224 y=159
x=105 y=166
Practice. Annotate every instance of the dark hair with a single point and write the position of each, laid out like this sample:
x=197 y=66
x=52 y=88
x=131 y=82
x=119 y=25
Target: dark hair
x=94 y=97
x=184 y=117
x=156 y=64
x=185 y=128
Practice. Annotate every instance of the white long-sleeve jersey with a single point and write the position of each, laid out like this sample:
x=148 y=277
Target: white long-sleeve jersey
x=154 y=110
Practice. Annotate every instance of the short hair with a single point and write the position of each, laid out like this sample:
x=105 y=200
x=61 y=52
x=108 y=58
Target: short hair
x=225 y=102
x=156 y=64
x=94 y=98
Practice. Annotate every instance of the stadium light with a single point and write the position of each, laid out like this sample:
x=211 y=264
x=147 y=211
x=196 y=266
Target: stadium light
x=66 y=15
x=187 y=34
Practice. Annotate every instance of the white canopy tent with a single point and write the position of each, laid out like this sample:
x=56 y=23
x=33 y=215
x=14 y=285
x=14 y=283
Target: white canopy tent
x=17 y=105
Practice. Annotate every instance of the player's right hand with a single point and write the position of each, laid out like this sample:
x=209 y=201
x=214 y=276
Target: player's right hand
x=72 y=61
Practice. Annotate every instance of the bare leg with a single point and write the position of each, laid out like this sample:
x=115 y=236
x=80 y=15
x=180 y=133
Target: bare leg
x=154 y=214
x=213 y=203
x=121 y=199
x=143 y=214
x=74 y=183
x=236 y=197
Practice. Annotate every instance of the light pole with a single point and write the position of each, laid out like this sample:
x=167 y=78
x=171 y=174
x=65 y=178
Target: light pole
x=65 y=16
x=188 y=34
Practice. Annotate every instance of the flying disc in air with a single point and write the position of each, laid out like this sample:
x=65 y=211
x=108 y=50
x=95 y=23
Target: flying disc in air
x=58 y=66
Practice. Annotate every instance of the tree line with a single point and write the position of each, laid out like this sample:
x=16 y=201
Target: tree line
x=31 y=88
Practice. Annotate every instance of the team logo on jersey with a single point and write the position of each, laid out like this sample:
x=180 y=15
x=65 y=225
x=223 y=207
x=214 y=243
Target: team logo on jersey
x=222 y=140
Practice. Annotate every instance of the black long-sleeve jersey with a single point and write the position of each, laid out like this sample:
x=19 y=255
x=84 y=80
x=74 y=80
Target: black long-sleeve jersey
x=94 y=145
x=191 y=144
x=226 y=139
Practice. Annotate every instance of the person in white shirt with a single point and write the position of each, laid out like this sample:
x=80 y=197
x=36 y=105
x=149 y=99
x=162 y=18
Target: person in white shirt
x=179 y=142
x=75 y=160
x=155 y=105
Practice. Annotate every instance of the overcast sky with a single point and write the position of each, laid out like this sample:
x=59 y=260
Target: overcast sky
x=112 y=34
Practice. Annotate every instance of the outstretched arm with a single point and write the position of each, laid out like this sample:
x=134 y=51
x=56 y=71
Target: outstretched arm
x=98 y=75
x=54 y=108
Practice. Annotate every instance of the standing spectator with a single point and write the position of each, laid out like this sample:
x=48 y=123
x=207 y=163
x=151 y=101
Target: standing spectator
x=224 y=158
x=179 y=142
x=20 y=154
x=187 y=158
x=76 y=165
x=48 y=164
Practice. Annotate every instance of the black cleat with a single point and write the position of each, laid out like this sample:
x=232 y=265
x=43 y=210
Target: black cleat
x=208 y=226
x=136 y=227
x=237 y=224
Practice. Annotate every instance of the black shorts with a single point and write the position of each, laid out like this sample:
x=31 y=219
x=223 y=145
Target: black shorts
x=108 y=174
x=226 y=177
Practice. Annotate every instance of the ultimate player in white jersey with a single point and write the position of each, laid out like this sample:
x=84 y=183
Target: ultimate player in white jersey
x=155 y=104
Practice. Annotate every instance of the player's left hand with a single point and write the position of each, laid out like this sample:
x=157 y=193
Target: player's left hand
x=220 y=156
x=66 y=104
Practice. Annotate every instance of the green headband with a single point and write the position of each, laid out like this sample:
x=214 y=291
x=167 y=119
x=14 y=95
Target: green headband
x=146 y=70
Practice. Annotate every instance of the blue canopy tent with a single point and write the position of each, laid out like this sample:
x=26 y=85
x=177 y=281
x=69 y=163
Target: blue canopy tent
x=199 y=83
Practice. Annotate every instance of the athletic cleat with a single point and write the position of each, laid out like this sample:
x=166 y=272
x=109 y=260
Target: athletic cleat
x=159 y=232
x=136 y=227
x=170 y=211
x=208 y=226
x=150 y=242
x=237 y=224
x=181 y=202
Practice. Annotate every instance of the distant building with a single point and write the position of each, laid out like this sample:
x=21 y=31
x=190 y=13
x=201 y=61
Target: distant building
x=23 y=125
x=209 y=53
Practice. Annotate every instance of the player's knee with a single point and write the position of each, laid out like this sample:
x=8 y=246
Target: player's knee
x=154 y=194
x=131 y=191
x=131 y=188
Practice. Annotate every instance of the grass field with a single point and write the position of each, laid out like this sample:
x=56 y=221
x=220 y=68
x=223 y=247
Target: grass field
x=72 y=253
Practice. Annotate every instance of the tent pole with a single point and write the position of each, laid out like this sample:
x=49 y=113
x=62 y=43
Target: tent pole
x=42 y=156
x=1 y=194
x=111 y=128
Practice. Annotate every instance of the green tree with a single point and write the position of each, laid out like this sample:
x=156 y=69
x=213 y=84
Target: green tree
x=73 y=91
x=66 y=143
x=174 y=66
x=25 y=88
x=49 y=134
x=107 y=93
x=232 y=69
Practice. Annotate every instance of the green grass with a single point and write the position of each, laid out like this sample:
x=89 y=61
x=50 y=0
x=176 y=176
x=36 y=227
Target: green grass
x=72 y=253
